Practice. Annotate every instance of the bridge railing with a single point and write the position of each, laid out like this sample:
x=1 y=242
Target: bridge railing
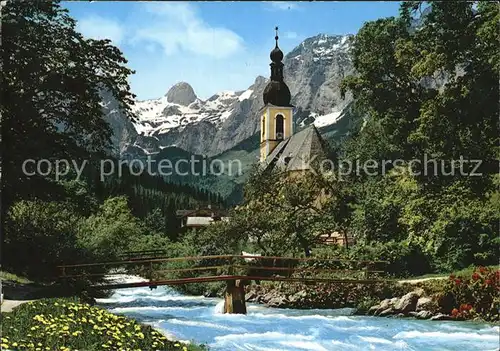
x=224 y=266
x=143 y=254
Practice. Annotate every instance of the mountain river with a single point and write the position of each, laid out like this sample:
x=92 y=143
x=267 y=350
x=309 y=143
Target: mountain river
x=200 y=320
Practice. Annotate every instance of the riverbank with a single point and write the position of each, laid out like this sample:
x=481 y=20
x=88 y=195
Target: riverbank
x=457 y=297
x=65 y=324
x=321 y=295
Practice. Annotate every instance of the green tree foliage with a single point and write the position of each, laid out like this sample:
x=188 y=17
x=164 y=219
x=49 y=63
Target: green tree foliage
x=282 y=214
x=51 y=82
x=429 y=85
x=111 y=230
x=399 y=77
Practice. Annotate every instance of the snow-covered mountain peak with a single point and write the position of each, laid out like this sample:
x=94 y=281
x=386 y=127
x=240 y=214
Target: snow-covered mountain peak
x=321 y=47
x=179 y=108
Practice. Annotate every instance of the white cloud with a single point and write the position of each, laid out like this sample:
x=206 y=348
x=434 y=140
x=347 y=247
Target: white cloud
x=290 y=35
x=168 y=42
x=177 y=27
x=156 y=73
x=282 y=5
x=96 y=27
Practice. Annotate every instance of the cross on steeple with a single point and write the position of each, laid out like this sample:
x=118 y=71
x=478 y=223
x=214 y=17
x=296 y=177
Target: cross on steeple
x=276 y=37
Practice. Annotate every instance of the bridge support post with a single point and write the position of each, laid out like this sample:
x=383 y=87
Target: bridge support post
x=234 y=297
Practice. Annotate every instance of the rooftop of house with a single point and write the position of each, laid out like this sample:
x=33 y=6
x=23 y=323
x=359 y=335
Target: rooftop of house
x=201 y=212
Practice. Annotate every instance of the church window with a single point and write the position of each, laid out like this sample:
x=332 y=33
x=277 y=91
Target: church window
x=280 y=123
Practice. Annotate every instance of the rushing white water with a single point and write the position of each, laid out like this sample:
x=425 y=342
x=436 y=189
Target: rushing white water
x=200 y=320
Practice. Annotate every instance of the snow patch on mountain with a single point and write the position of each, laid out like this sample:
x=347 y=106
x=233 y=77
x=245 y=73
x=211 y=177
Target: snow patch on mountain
x=326 y=120
x=159 y=116
x=246 y=95
x=324 y=46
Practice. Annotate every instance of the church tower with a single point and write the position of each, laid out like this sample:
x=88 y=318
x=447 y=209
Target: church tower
x=276 y=117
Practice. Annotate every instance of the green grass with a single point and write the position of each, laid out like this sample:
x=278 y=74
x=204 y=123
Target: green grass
x=15 y=278
x=65 y=324
x=461 y=273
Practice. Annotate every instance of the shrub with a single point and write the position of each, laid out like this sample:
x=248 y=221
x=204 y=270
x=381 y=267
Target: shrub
x=39 y=236
x=365 y=303
x=403 y=259
x=477 y=294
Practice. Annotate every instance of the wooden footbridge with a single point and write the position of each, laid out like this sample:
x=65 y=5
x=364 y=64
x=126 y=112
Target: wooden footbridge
x=236 y=270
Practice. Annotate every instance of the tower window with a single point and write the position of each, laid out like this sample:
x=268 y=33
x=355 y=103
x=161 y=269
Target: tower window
x=280 y=125
x=263 y=126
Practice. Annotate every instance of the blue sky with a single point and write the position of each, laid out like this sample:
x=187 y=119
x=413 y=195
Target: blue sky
x=214 y=46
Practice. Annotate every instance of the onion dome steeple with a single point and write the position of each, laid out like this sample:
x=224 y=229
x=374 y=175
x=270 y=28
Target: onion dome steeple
x=276 y=55
x=276 y=91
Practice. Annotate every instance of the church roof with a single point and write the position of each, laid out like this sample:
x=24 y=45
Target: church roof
x=277 y=93
x=301 y=151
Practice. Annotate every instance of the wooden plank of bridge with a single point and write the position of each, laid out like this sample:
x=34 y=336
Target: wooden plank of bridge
x=197 y=258
x=226 y=278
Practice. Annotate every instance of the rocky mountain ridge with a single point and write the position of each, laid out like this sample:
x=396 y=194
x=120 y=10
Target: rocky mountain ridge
x=313 y=72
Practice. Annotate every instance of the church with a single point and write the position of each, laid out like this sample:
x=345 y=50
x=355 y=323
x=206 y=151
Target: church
x=280 y=146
